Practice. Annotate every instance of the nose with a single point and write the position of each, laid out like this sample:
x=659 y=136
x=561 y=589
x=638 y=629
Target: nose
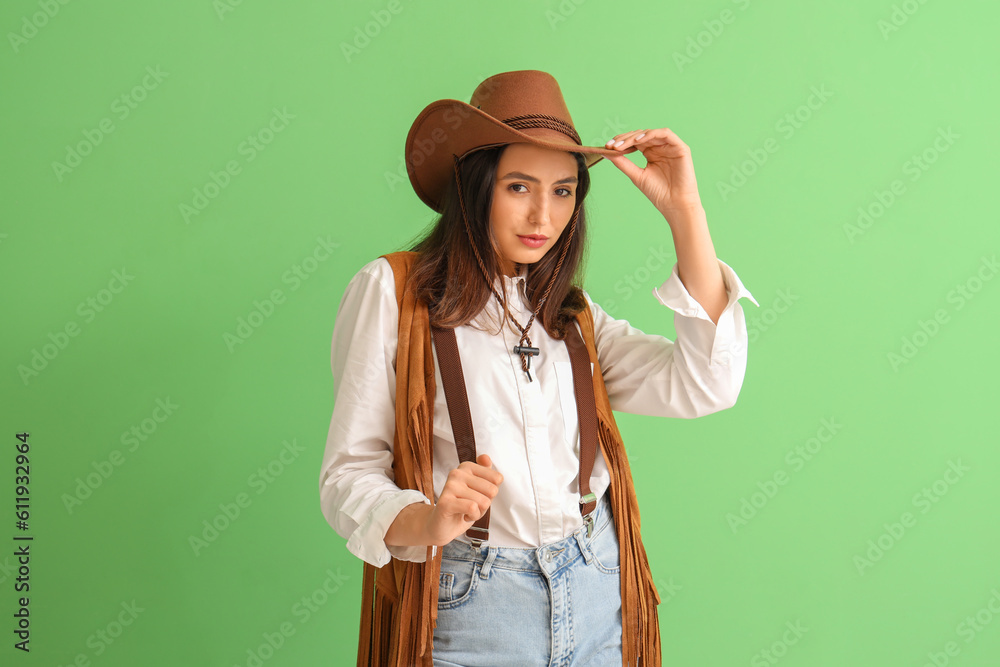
x=540 y=210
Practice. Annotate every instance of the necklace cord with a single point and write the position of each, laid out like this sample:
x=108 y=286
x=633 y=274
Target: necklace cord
x=525 y=340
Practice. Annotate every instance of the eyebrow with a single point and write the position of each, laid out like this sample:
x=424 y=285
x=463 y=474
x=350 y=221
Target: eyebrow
x=525 y=177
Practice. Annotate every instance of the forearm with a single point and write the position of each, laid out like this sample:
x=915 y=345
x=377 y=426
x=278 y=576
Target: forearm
x=409 y=528
x=697 y=264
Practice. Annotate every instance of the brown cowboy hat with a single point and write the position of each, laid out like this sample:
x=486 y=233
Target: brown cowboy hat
x=510 y=107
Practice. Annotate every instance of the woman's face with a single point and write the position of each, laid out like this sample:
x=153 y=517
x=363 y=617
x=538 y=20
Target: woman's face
x=533 y=200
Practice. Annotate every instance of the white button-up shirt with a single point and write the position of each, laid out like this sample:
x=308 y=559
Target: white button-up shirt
x=529 y=429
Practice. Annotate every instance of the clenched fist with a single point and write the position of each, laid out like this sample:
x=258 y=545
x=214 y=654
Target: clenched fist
x=467 y=494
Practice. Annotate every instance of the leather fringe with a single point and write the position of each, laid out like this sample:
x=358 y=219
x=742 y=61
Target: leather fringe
x=365 y=642
x=640 y=621
x=389 y=635
x=398 y=630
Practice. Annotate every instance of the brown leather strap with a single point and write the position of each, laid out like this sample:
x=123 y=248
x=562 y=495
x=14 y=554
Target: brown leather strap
x=453 y=381
x=586 y=410
x=458 y=411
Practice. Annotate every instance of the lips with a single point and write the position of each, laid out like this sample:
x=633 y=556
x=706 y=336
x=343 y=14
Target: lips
x=534 y=240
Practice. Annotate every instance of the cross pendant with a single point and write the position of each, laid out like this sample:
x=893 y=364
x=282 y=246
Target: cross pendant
x=528 y=351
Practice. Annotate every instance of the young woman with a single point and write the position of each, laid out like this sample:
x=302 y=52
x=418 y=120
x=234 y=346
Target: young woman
x=529 y=551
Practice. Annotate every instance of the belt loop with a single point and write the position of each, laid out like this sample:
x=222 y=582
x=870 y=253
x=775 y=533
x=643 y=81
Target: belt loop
x=491 y=555
x=581 y=539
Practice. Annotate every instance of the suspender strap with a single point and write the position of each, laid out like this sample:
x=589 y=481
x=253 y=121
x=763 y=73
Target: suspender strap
x=458 y=411
x=586 y=410
x=453 y=381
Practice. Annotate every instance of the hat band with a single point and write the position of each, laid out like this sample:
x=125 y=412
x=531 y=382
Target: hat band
x=544 y=121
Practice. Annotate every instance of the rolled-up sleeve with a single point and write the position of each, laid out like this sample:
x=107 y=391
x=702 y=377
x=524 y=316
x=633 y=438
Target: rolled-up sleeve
x=699 y=373
x=358 y=493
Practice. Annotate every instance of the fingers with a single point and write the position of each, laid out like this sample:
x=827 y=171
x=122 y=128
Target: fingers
x=466 y=495
x=485 y=470
x=627 y=139
x=644 y=137
x=476 y=477
x=451 y=507
x=468 y=509
x=471 y=488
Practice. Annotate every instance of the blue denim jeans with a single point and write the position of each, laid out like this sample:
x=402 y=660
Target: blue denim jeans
x=557 y=605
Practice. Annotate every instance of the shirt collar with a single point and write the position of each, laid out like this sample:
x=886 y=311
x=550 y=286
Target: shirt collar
x=512 y=283
x=516 y=299
x=512 y=280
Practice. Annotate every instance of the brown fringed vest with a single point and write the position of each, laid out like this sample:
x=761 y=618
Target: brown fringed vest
x=399 y=600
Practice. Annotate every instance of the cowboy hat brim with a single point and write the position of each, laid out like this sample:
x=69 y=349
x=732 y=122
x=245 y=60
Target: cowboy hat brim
x=448 y=128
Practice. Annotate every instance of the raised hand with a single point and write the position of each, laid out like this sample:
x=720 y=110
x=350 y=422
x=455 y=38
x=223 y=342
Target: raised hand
x=668 y=178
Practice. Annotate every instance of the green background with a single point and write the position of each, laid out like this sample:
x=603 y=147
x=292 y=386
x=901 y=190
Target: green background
x=837 y=301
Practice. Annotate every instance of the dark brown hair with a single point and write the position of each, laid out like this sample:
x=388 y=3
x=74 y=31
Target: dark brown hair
x=448 y=277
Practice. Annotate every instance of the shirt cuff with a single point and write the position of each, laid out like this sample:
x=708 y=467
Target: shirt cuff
x=367 y=542
x=727 y=332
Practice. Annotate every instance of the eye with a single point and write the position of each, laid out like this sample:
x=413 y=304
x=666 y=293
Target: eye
x=569 y=193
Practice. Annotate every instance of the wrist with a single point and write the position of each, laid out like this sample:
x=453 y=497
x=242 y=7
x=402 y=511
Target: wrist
x=409 y=528
x=683 y=213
